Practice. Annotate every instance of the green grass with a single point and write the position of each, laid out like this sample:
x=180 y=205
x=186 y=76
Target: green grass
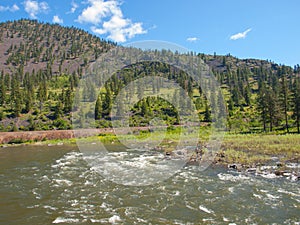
x=255 y=148
x=246 y=149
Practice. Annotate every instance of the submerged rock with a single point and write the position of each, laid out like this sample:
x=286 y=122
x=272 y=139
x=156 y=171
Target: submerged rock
x=252 y=170
x=235 y=166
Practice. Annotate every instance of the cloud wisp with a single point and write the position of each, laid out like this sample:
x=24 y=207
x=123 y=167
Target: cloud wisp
x=56 y=19
x=241 y=35
x=34 y=7
x=192 y=39
x=107 y=18
x=74 y=7
x=13 y=8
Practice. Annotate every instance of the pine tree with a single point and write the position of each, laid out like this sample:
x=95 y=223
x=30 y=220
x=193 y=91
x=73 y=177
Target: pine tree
x=247 y=95
x=42 y=94
x=28 y=102
x=58 y=110
x=2 y=90
x=98 y=109
x=140 y=89
x=68 y=100
x=262 y=104
x=272 y=107
x=107 y=102
x=230 y=107
x=207 y=113
x=296 y=101
x=16 y=97
x=120 y=107
x=285 y=100
x=144 y=108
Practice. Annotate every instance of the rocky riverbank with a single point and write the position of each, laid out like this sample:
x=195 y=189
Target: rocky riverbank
x=275 y=167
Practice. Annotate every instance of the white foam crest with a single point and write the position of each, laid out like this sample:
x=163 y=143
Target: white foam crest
x=268 y=175
x=230 y=177
x=225 y=219
x=177 y=193
x=73 y=155
x=100 y=221
x=204 y=209
x=140 y=220
x=65 y=220
x=270 y=196
x=231 y=189
x=67 y=160
x=49 y=207
x=190 y=207
x=133 y=169
x=63 y=182
x=293 y=165
x=114 y=219
x=257 y=196
x=37 y=195
x=288 y=192
x=107 y=207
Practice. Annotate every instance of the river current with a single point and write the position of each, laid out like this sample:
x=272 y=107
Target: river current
x=55 y=185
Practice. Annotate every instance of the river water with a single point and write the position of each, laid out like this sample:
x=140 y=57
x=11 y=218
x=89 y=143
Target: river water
x=55 y=185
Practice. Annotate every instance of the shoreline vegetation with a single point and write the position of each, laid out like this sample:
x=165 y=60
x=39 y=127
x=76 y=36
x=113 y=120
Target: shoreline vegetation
x=259 y=153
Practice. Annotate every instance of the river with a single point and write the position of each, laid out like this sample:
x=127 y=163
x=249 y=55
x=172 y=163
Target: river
x=55 y=185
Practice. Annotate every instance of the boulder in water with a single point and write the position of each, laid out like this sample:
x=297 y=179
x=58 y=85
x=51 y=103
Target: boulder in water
x=235 y=166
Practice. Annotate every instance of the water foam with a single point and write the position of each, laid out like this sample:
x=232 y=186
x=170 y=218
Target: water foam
x=204 y=209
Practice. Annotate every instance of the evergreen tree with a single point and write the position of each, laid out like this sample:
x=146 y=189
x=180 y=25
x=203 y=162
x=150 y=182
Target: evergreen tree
x=98 y=109
x=68 y=100
x=230 y=107
x=58 y=110
x=2 y=90
x=107 y=102
x=140 y=90
x=272 y=107
x=262 y=104
x=247 y=95
x=296 y=101
x=207 y=113
x=285 y=100
x=120 y=107
x=42 y=94
x=16 y=97
x=28 y=102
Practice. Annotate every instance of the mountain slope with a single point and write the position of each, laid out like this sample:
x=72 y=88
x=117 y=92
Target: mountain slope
x=40 y=65
x=34 y=46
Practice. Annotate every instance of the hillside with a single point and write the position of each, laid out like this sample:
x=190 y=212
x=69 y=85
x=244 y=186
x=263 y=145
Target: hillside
x=41 y=64
x=28 y=45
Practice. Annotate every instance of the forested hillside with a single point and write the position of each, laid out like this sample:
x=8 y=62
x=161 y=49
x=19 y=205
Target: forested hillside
x=41 y=64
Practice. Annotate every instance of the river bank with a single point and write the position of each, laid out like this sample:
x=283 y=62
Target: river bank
x=28 y=137
x=263 y=154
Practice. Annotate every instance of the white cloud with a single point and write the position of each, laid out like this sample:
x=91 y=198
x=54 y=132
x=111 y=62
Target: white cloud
x=192 y=39
x=13 y=8
x=74 y=7
x=240 y=35
x=98 y=10
x=33 y=7
x=56 y=19
x=107 y=19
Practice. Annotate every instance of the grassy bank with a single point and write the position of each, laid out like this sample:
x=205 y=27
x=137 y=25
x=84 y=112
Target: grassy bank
x=260 y=148
x=246 y=149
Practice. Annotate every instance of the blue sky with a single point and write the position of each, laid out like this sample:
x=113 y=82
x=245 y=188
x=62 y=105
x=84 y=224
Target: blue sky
x=266 y=29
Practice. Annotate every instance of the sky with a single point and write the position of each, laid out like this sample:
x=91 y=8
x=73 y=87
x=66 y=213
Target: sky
x=267 y=29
